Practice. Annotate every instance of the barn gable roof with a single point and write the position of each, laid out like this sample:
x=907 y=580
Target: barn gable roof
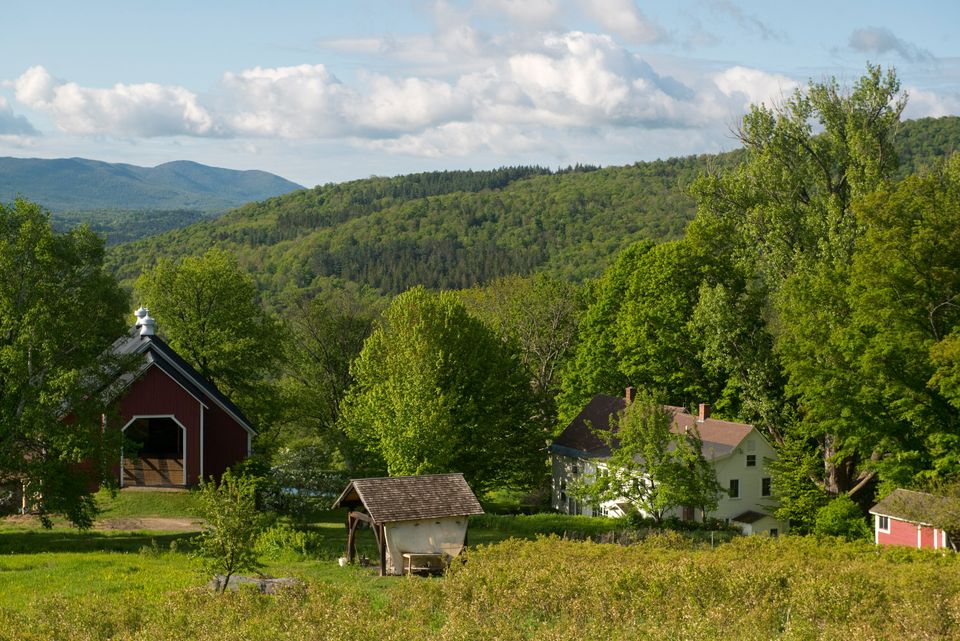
x=411 y=498
x=579 y=438
x=913 y=507
x=157 y=353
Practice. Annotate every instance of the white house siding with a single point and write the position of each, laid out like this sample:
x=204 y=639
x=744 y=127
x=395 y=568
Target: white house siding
x=734 y=466
x=568 y=469
x=429 y=536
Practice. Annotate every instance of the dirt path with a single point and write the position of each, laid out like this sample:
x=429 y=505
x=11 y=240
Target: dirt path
x=150 y=523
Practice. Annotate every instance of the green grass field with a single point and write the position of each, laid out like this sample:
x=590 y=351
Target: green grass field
x=117 y=585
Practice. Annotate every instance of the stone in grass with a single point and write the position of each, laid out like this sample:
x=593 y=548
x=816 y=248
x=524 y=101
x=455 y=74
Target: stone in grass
x=264 y=584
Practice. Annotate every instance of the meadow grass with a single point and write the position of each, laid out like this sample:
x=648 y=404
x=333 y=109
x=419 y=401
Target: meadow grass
x=85 y=586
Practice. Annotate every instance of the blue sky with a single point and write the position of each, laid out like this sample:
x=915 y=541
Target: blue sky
x=329 y=91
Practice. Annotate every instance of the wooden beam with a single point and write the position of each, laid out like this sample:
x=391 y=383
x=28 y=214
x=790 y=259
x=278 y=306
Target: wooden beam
x=383 y=551
x=360 y=516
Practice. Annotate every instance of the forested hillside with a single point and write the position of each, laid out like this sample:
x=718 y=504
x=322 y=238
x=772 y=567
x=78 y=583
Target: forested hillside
x=444 y=230
x=455 y=229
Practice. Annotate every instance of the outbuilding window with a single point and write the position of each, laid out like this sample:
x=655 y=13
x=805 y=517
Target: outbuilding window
x=883 y=523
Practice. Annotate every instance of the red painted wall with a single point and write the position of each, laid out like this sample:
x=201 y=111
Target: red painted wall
x=225 y=442
x=156 y=394
x=904 y=533
x=901 y=533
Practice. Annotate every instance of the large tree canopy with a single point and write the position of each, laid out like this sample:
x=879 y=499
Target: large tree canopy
x=209 y=311
x=59 y=311
x=786 y=217
x=437 y=391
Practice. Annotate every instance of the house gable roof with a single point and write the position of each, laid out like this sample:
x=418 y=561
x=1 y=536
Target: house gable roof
x=720 y=438
x=157 y=353
x=411 y=498
x=910 y=506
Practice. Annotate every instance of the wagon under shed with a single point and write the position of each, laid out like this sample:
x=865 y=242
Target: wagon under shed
x=412 y=517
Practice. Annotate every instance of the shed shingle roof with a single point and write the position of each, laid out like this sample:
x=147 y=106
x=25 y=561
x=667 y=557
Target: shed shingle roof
x=411 y=498
x=915 y=507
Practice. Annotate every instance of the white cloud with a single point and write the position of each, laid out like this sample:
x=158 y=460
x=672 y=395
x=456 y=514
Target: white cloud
x=753 y=86
x=879 y=40
x=625 y=19
x=140 y=110
x=13 y=126
x=531 y=12
x=305 y=101
x=927 y=104
x=461 y=139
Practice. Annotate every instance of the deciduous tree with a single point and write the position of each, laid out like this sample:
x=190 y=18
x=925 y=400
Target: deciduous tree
x=59 y=312
x=437 y=391
x=208 y=310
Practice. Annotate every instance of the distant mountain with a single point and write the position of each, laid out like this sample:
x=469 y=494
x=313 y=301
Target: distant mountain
x=78 y=184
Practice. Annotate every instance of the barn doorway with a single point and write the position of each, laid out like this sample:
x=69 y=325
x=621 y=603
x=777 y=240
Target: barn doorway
x=153 y=452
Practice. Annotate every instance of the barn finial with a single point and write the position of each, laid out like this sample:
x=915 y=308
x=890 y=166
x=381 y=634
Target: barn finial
x=140 y=313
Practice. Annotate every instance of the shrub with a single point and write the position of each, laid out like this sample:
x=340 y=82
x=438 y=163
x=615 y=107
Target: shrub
x=842 y=517
x=227 y=543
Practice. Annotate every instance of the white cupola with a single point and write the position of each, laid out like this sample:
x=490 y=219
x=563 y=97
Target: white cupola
x=140 y=313
x=148 y=326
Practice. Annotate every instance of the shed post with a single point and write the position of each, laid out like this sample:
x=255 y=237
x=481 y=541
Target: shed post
x=351 y=542
x=383 y=550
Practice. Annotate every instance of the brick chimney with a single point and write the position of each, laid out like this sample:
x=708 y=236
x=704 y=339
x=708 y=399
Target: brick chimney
x=704 y=413
x=630 y=395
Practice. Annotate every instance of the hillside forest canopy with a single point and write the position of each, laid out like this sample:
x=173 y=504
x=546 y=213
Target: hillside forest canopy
x=807 y=283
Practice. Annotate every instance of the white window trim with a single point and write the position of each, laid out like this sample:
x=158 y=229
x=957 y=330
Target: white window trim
x=183 y=428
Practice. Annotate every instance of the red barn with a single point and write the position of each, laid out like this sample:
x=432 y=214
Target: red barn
x=179 y=427
x=903 y=518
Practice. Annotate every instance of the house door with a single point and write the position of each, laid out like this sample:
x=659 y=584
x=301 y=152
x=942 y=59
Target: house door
x=153 y=452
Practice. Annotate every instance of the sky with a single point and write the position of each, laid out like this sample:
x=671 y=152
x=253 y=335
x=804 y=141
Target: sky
x=319 y=91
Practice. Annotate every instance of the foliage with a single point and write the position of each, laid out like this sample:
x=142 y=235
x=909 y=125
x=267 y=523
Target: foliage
x=227 y=544
x=59 y=311
x=537 y=316
x=844 y=518
x=327 y=334
x=650 y=467
x=208 y=310
x=437 y=391
x=799 y=496
x=786 y=218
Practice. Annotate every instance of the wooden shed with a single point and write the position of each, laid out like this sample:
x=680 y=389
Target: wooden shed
x=414 y=518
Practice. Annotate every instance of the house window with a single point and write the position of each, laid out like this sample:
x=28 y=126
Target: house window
x=765 y=486
x=734 y=488
x=774 y=533
x=883 y=523
x=751 y=460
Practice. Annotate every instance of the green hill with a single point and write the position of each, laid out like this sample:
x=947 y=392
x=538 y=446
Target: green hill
x=78 y=184
x=456 y=229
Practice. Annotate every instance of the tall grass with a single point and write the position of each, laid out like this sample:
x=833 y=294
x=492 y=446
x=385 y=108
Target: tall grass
x=663 y=588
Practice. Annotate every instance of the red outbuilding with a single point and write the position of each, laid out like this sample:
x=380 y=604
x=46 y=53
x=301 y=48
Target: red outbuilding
x=178 y=427
x=904 y=518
